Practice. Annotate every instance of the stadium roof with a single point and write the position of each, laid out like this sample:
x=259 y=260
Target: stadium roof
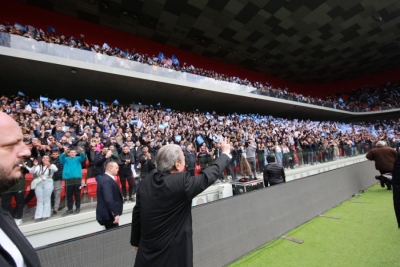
x=299 y=41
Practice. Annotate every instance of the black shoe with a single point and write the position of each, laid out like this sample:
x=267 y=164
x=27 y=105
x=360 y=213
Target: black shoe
x=54 y=212
x=131 y=199
x=68 y=212
x=77 y=211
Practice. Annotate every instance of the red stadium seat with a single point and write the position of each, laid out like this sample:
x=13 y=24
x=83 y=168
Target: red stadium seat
x=91 y=186
x=84 y=174
x=28 y=179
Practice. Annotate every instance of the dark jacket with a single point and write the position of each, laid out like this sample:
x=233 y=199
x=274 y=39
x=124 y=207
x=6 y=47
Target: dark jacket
x=145 y=165
x=162 y=217
x=123 y=167
x=109 y=200
x=396 y=188
x=384 y=158
x=274 y=174
x=99 y=163
x=190 y=160
x=7 y=224
x=57 y=176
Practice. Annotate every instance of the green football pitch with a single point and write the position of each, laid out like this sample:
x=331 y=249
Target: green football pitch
x=365 y=234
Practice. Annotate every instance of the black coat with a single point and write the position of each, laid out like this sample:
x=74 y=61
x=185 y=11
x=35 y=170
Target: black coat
x=109 y=200
x=7 y=224
x=99 y=163
x=274 y=174
x=396 y=188
x=162 y=217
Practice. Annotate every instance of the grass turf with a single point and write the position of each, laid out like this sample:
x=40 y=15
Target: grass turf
x=365 y=235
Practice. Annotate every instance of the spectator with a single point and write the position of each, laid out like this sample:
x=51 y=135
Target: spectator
x=72 y=174
x=100 y=161
x=190 y=159
x=43 y=190
x=125 y=161
x=57 y=180
x=251 y=157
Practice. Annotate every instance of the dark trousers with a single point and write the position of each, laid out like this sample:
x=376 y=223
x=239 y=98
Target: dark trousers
x=19 y=199
x=252 y=163
x=73 y=189
x=29 y=197
x=305 y=157
x=124 y=176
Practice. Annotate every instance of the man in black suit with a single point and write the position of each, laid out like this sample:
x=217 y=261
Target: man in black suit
x=15 y=250
x=162 y=217
x=109 y=198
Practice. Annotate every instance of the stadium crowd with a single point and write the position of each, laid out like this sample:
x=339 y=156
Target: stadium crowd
x=361 y=99
x=91 y=133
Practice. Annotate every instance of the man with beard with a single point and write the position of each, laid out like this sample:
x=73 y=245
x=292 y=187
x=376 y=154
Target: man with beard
x=15 y=250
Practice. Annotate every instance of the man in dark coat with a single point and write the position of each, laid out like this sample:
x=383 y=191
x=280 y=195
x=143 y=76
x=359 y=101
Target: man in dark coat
x=396 y=188
x=162 y=218
x=384 y=159
x=100 y=161
x=109 y=198
x=273 y=172
x=15 y=249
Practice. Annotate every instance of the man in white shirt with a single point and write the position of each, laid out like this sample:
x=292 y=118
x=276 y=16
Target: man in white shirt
x=15 y=250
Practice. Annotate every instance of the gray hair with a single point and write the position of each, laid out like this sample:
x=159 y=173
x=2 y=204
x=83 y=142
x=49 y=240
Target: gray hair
x=381 y=143
x=167 y=156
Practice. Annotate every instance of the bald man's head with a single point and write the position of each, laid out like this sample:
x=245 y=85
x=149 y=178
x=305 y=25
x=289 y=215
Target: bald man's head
x=112 y=168
x=12 y=152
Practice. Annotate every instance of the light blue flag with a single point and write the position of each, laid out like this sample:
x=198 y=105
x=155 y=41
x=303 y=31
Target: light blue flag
x=88 y=101
x=158 y=104
x=200 y=140
x=44 y=99
x=21 y=94
x=63 y=101
x=116 y=102
x=178 y=138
